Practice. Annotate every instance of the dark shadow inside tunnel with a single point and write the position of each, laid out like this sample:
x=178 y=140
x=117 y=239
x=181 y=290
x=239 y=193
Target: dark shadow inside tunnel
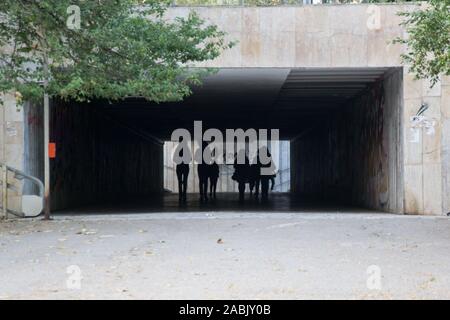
x=342 y=127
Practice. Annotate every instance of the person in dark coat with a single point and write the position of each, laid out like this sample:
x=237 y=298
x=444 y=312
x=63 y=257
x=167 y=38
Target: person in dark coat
x=241 y=172
x=203 y=174
x=255 y=178
x=213 y=178
x=182 y=170
x=267 y=173
x=202 y=170
x=213 y=168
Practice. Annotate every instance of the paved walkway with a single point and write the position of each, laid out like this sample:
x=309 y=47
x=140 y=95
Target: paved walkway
x=222 y=255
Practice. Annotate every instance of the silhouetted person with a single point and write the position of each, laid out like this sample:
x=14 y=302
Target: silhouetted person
x=213 y=168
x=182 y=171
x=213 y=177
x=254 y=177
x=267 y=172
x=241 y=172
x=202 y=170
x=203 y=174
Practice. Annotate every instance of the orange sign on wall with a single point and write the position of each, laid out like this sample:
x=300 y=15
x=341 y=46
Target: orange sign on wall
x=52 y=150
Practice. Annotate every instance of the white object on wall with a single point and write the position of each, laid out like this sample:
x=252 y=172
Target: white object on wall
x=31 y=205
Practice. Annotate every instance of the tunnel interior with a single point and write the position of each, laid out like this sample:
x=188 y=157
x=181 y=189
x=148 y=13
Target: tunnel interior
x=342 y=127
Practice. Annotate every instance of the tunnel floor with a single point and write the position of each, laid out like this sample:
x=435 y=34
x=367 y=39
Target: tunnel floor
x=225 y=202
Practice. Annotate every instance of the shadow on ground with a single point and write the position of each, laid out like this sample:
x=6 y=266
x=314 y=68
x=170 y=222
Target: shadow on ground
x=225 y=202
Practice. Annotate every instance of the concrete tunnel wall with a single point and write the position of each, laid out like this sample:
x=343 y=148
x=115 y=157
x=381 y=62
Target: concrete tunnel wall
x=354 y=155
x=98 y=159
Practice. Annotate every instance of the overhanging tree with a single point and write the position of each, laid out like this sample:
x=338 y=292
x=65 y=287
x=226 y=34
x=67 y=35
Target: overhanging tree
x=120 y=48
x=428 y=40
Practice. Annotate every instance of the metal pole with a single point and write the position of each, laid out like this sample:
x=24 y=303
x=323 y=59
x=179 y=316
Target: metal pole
x=4 y=170
x=46 y=142
x=5 y=190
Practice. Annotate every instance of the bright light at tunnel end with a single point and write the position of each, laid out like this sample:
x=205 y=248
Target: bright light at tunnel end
x=240 y=146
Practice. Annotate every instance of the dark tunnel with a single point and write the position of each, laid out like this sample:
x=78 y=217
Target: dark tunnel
x=342 y=127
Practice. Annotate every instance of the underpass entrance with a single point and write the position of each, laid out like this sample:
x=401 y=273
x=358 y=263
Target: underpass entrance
x=340 y=132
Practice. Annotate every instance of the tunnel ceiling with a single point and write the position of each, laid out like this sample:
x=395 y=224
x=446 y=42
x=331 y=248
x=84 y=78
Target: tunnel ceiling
x=287 y=99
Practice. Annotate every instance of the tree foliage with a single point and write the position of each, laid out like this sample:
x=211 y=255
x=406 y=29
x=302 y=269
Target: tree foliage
x=428 y=40
x=120 y=49
x=275 y=2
